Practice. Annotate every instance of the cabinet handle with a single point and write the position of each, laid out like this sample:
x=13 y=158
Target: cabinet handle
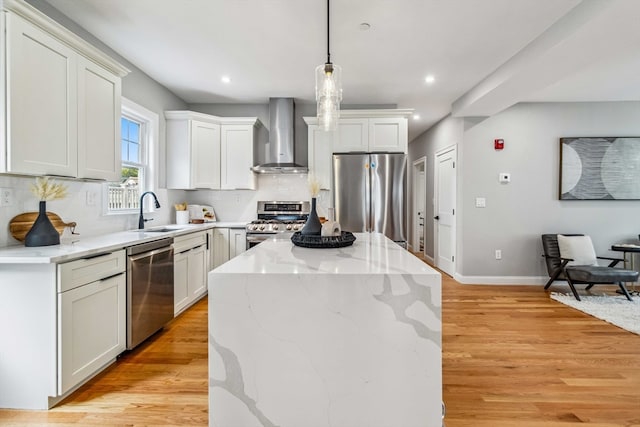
x=97 y=256
x=111 y=277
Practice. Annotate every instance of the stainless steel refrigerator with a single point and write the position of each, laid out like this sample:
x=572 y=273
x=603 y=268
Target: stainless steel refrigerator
x=369 y=193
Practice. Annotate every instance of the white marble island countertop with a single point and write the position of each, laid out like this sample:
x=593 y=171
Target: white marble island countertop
x=325 y=337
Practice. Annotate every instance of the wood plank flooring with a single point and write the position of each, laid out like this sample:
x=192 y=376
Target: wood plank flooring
x=511 y=357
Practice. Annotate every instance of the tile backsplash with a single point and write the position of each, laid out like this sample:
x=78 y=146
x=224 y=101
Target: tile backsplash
x=85 y=201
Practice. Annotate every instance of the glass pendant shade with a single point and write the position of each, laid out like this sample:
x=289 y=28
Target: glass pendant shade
x=328 y=95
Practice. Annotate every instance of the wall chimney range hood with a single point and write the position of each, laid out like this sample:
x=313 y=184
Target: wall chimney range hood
x=279 y=153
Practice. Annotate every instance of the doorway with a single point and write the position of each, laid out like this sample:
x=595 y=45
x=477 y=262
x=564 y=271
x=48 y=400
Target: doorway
x=419 y=205
x=445 y=210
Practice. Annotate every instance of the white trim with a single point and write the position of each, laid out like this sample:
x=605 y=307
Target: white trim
x=422 y=161
x=501 y=280
x=208 y=118
x=39 y=19
x=150 y=152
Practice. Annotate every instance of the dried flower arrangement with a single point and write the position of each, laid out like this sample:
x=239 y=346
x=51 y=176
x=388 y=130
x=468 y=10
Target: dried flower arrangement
x=45 y=190
x=314 y=186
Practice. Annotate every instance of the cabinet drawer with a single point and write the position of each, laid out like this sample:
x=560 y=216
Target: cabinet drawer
x=77 y=273
x=188 y=241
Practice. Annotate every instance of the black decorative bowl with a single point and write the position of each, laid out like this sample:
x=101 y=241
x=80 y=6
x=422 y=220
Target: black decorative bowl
x=323 y=242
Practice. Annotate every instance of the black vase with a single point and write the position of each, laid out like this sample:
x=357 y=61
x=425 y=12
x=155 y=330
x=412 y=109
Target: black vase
x=42 y=233
x=312 y=226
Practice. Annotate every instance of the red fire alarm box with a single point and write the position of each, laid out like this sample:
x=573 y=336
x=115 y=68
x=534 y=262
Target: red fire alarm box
x=498 y=144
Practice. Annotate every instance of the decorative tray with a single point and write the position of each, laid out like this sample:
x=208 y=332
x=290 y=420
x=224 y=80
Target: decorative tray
x=315 y=241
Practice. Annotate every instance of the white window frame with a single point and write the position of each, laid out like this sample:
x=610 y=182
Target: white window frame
x=149 y=143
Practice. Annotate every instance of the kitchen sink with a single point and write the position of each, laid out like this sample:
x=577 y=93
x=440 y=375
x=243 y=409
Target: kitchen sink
x=159 y=230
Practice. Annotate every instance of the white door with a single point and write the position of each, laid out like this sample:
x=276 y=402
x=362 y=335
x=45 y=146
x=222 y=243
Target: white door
x=388 y=134
x=197 y=284
x=180 y=281
x=205 y=140
x=445 y=210
x=237 y=158
x=419 y=204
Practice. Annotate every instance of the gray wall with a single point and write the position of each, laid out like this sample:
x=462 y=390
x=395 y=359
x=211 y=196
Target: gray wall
x=518 y=213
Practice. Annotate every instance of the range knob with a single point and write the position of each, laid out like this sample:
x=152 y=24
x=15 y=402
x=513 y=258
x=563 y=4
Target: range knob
x=289 y=226
x=296 y=227
x=261 y=227
x=274 y=226
x=253 y=227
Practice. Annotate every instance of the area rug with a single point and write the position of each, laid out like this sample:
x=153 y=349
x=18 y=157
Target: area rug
x=614 y=309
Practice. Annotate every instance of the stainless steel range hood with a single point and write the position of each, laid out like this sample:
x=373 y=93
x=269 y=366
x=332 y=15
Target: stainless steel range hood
x=279 y=153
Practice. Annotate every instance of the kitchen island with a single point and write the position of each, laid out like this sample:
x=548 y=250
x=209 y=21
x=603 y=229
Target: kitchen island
x=325 y=337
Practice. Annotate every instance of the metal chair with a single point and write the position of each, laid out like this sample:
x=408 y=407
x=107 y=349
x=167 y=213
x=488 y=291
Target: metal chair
x=591 y=275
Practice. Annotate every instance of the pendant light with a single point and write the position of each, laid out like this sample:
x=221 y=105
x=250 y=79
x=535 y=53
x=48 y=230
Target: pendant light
x=328 y=90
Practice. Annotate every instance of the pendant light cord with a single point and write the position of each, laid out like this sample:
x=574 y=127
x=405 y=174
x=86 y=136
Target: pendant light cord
x=328 y=45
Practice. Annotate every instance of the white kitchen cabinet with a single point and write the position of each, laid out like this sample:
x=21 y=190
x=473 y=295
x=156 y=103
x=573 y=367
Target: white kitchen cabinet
x=320 y=150
x=388 y=134
x=210 y=152
x=189 y=269
x=62 y=100
x=193 y=153
x=237 y=156
x=237 y=242
x=91 y=316
x=227 y=243
x=352 y=135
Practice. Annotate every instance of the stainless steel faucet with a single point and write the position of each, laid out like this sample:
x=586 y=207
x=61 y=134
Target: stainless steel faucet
x=141 y=219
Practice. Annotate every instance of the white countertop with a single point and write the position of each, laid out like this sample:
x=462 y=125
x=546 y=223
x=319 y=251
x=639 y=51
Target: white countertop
x=371 y=253
x=325 y=337
x=81 y=247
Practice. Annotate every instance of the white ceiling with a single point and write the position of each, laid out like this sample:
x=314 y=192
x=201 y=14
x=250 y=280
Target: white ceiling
x=485 y=54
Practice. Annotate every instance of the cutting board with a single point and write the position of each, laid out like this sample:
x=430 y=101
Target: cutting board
x=20 y=225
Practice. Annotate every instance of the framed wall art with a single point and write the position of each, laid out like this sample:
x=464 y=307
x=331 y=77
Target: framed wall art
x=600 y=168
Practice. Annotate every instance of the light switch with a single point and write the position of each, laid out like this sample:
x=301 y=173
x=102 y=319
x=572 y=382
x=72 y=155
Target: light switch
x=481 y=202
x=505 y=177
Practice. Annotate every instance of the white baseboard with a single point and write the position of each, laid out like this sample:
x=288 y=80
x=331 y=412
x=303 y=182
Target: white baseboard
x=501 y=280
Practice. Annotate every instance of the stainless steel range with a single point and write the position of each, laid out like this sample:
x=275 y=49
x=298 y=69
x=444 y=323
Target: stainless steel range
x=276 y=218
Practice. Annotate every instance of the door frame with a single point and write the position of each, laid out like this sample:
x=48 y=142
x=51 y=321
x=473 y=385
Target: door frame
x=436 y=206
x=419 y=166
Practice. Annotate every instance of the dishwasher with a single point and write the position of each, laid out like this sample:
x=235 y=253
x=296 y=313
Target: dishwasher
x=149 y=289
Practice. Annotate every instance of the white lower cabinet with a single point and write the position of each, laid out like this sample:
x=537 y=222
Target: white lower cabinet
x=189 y=269
x=92 y=329
x=227 y=243
x=91 y=316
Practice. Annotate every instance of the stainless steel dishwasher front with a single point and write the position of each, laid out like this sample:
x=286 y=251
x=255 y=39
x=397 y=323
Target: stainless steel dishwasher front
x=149 y=289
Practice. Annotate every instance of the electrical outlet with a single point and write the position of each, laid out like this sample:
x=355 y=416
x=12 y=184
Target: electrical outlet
x=498 y=254
x=6 y=196
x=91 y=198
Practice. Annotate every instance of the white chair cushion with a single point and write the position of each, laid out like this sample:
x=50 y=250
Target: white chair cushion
x=578 y=248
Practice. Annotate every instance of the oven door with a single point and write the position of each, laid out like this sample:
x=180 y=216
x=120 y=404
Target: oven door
x=254 y=238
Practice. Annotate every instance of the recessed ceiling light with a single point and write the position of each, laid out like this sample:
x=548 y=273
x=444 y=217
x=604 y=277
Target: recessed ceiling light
x=429 y=79
x=364 y=26
x=226 y=79
x=416 y=117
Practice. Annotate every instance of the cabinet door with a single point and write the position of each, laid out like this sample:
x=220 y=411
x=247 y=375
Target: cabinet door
x=41 y=91
x=237 y=242
x=353 y=135
x=388 y=134
x=99 y=110
x=320 y=150
x=205 y=155
x=91 y=329
x=197 y=284
x=180 y=281
x=237 y=157
x=220 y=246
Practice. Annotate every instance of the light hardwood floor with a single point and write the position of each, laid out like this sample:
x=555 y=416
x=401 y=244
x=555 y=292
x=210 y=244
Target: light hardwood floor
x=511 y=357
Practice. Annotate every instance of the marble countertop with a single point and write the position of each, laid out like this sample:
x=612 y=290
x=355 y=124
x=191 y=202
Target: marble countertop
x=325 y=337
x=81 y=247
x=371 y=253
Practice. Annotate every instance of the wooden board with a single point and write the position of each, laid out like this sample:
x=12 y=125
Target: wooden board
x=20 y=225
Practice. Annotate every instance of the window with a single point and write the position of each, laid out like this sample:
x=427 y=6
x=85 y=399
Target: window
x=138 y=130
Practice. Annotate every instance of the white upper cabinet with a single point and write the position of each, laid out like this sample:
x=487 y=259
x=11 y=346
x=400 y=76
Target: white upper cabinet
x=210 y=152
x=358 y=131
x=63 y=100
x=238 y=156
x=320 y=150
